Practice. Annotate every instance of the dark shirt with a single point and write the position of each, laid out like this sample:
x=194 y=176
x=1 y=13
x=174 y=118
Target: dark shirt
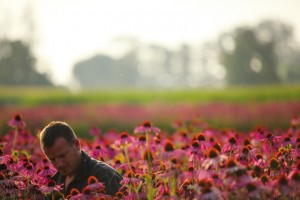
x=91 y=167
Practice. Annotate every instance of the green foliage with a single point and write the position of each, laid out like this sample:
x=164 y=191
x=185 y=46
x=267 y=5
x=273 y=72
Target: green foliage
x=30 y=96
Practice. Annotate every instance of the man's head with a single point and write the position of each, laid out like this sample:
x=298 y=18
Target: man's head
x=55 y=130
x=62 y=147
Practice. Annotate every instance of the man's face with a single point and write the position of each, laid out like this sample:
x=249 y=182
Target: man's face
x=66 y=158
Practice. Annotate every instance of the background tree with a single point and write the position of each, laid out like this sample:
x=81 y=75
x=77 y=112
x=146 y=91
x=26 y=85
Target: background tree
x=102 y=71
x=290 y=67
x=258 y=55
x=17 y=65
x=287 y=49
x=248 y=61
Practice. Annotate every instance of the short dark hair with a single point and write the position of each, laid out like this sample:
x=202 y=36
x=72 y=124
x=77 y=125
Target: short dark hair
x=55 y=130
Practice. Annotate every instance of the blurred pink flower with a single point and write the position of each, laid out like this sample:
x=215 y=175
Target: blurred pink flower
x=47 y=171
x=124 y=140
x=146 y=127
x=94 y=131
x=50 y=187
x=295 y=122
x=214 y=158
x=16 y=122
x=98 y=152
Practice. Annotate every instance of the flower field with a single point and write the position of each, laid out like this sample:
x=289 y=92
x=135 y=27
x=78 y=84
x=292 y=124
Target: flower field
x=195 y=161
x=241 y=108
x=228 y=144
x=124 y=117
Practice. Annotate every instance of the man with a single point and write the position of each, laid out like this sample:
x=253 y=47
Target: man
x=62 y=147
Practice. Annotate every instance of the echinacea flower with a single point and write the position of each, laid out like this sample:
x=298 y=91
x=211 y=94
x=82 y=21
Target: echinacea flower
x=182 y=137
x=5 y=182
x=1 y=152
x=141 y=142
x=282 y=183
x=214 y=158
x=146 y=127
x=94 y=185
x=200 y=136
x=148 y=156
x=120 y=195
x=79 y=196
x=232 y=165
x=294 y=181
x=130 y=178
x=195 y=151
x=238 y=179
x=7 y=161
x=98 y=152
x=47 y=171
x=27 y=169
x=210 y=193
x=73 y=193
x=206 y=190
x=274 y=164
x=125 y=140
x=94 y=131
x=295 y=121
x=264 y=178
x=187 y=174
x=202 y=174
x=231 y=146
x=170 y=151
x=217 y=146
x=169 y=146
x=163 y=192
x=271 y=141
x=184 y=190
x=295 y=177
x=253 y=190
x=258 y=133
x=257 y=171
x=50 y=187
x=202 y=141
x=247 y=155
x=287 y=141
x=16 y=122
x=3 y=167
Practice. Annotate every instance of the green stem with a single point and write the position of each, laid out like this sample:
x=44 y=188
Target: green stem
x=127 y=157
x=130 y=167
x=15 y=138
x=173 y=186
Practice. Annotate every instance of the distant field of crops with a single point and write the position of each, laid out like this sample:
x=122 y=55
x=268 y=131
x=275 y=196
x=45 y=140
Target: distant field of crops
x=240 y=108
x=40 y=96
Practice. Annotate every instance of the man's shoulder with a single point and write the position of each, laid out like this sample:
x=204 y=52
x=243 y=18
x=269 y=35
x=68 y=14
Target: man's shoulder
x=97 y=166
x=104 y=173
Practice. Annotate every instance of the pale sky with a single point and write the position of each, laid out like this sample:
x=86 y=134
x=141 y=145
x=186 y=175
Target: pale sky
x=67 y=31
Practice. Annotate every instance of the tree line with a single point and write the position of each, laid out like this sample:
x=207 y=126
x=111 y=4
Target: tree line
x=263 y=54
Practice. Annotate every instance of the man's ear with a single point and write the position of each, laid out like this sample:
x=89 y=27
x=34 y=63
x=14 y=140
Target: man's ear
x=77 y=143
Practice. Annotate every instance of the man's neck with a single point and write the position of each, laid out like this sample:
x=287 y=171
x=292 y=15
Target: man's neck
x=68 y=180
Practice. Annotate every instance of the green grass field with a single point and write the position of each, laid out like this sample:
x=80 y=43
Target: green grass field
x=39 y=96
